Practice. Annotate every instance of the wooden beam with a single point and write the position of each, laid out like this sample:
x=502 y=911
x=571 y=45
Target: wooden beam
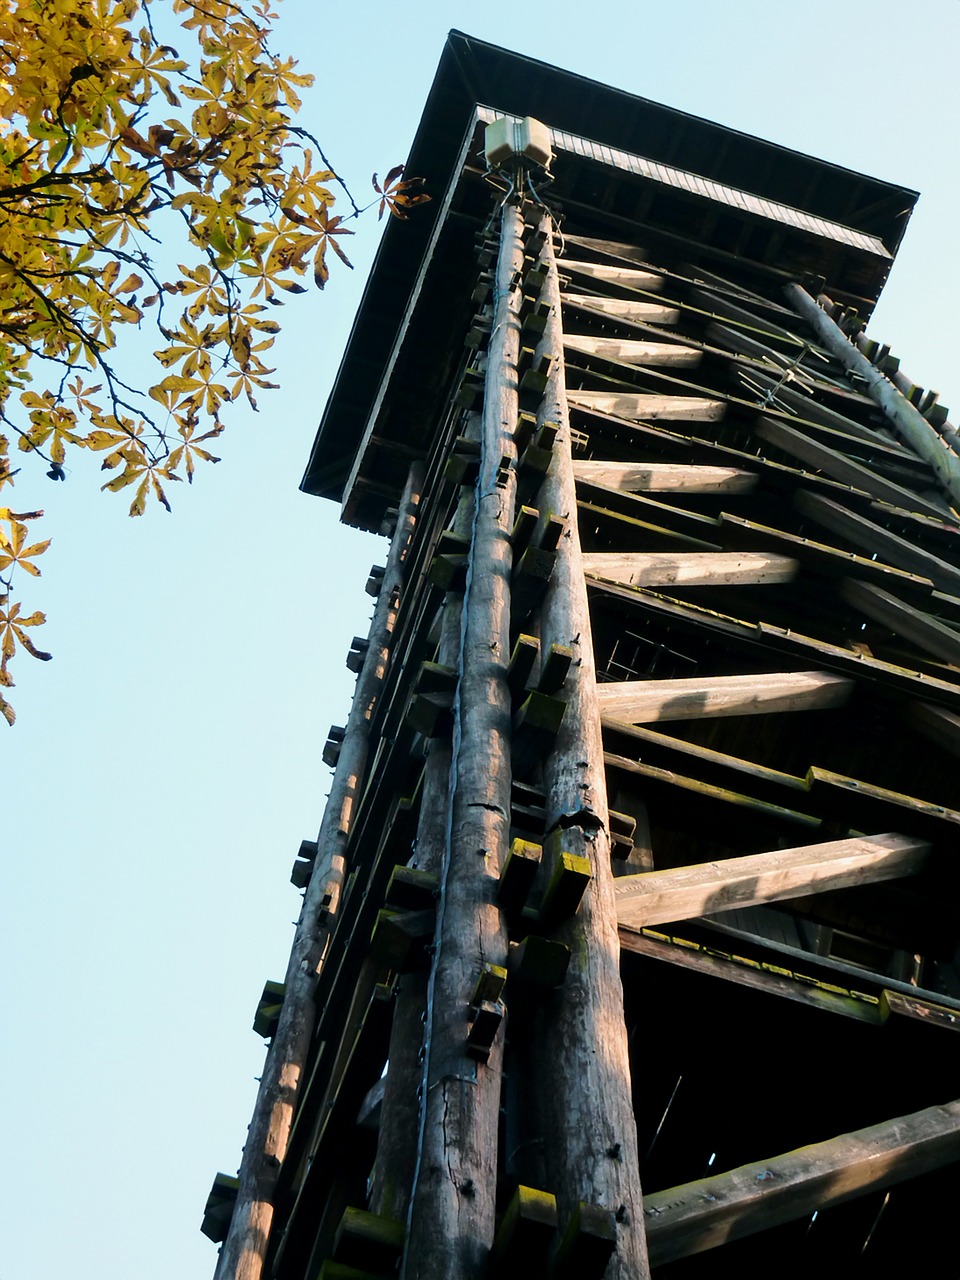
x=666 y=477
x=692 y=698
x=936 y=723
x=633 y=351
x=844 y=469
x=623 y=308
x=904 y=619
x=701 y=1215
x=611 y=273
x=630 y=404
x=683 y=893
x=691 y=568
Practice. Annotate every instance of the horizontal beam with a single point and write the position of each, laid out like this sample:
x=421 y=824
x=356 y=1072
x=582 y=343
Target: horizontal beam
x=666 y=477
x=701 y=1215
x=690 y=568
x=684 y=893
x=904 y=620
x=633 y=351
x=631 y=404
x=646 y=701
x=624 y=308
x=611 y=273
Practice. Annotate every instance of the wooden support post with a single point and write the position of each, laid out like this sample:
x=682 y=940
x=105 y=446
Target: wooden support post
x=244 y=1249
x=682 y=893
x=391 y=1183
x=451 y=1223
x=696 y=697
x=905 y=419
x=701 y=1215
x=587 y=1121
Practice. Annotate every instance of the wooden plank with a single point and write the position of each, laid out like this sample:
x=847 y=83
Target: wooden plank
x=666 y=477
x=701 y=1215
x=740 y=533
x=819 y=455
x=625 y=308
x=690 y=568
x=611 y=273
x=864 y=805
x=936 y=723
x=683 y=893
x=696 y=697
x=904 y=619
x=758 y=975
x=634 y=351
x=876 y=540
x=630 y=404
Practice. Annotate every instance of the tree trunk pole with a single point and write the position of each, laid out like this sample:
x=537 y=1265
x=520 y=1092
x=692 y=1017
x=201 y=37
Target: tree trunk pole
x=588 y=1120
x=394 y=1168
x=244 y=1249
x=453 y=1205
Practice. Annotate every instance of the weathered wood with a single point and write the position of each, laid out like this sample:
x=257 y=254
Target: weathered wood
x=627 y=308
x=633 y=404
x=682 y=893
x=701 y=1215
x=244 y=1249
x=936 y=723
x=906 y=420
x=666 y=477
x=646 y=701
x=451 y=1230
x=820 y=456
x=592 y=1114
x=611 y=273
x=634 y=350
x=768 y=977
x=690 y=569
x=907 y=621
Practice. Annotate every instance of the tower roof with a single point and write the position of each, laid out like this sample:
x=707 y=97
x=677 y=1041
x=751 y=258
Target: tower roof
x=623 y=162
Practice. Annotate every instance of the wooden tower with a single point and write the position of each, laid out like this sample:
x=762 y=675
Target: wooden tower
x=639 y=865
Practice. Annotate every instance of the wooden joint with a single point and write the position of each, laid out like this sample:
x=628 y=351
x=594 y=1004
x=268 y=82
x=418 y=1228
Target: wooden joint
x=358 y=652
x=519 y=872
x=484 y=1027
x=410 y=889
x=489 y=987
x=375 y=580
x=535 y=728
x=218 y=1210
x=568 y=883
x=533 y=384
x=303 y=866
x=622 y=828
x=524 y=527
x=529 y=582
x=331 y=748
x=525 y=1234
x=534 y=324
x=523 y=659
x=538 y=962
x=399 y=937
x=525 y=430
x=448 y=572
x=556 y=667
x=368 y=1241
x=587 y=1243
x=268 y=1009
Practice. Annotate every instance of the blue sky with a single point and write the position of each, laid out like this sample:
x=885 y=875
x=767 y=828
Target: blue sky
x=166 y=764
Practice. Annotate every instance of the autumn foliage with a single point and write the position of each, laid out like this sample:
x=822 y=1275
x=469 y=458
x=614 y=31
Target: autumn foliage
x=118 y=153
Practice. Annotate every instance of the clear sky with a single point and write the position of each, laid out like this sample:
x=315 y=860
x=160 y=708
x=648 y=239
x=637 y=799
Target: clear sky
x=166 y=764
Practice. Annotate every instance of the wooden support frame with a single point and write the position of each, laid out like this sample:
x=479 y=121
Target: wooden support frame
x=696 y=697
x=702 y=1215
x=683 y=893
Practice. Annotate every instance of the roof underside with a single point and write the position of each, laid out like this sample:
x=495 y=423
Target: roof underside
x=621 y=160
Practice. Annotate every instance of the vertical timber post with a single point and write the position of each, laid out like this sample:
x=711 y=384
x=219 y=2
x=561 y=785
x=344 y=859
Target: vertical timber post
x=395 y=1163
x=453 y=1204
x=244 y=1250
x=590 y=1133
